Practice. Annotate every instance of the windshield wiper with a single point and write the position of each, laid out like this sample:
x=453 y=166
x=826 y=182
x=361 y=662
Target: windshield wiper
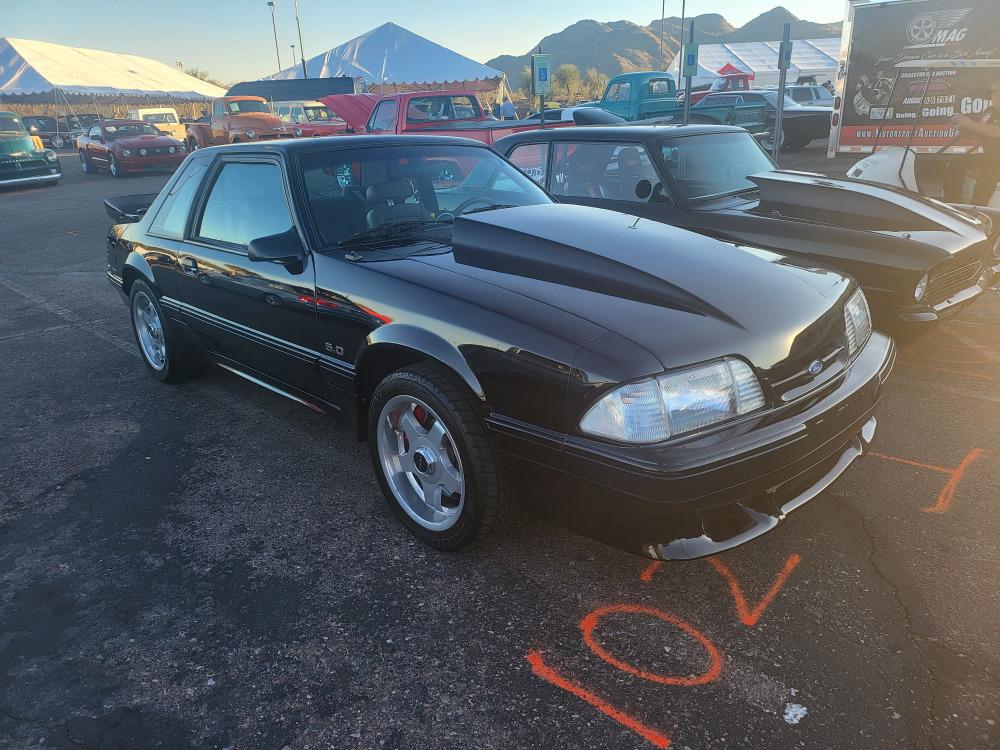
x=491 y=207
x=390 y=230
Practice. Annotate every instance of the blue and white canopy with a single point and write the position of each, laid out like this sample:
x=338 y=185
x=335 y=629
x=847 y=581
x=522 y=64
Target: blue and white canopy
x=29 y=67
x=390 y=54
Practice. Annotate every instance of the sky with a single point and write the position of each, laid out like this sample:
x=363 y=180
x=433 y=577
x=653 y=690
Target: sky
x=232 y=39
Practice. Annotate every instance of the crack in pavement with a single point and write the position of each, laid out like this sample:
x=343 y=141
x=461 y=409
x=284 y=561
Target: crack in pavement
x=914 y=636
x=51 y=329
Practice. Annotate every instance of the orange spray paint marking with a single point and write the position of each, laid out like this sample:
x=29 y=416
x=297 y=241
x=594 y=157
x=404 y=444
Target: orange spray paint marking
x=589 y=623
x=547 y=673
x=947 y=495
x=749 y=617
x=647 y=574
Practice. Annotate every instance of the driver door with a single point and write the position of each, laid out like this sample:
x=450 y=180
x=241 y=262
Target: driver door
x=97 y=150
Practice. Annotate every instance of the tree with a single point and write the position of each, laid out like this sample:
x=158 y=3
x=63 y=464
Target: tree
x=567 y=83
x=204 y=75
x=593 y=86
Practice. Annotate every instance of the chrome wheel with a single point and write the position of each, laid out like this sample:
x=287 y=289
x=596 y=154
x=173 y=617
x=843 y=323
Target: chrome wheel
x=113 y=165
x=421 y=463
x=58 y=141
x=84 y=164
x=149 y=329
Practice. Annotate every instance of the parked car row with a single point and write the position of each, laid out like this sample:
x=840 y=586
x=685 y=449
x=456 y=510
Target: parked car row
x=22 y=160
x=649 y=334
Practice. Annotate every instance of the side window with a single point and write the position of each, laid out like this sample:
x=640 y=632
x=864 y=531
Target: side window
x=659 y=87
x=612 y=94
x=533 y=160
x=283 y=113
x=624 y=92
x=801 y=95
x=298 y=114
x=247 y=201
x=171 y=219
x=218 y=110
x=384 y=117
x=608 y=171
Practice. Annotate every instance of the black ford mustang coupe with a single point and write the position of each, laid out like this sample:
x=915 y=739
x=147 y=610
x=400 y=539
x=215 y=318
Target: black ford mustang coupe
x=656 y=389
x=917 y=260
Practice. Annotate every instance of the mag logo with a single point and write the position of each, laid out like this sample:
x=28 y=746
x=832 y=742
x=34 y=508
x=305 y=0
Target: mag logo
x=937 y=29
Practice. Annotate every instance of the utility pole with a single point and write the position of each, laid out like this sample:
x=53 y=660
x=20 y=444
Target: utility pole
x=302 y=50
x=274 y=27
x=293 y=54
x=663 y=13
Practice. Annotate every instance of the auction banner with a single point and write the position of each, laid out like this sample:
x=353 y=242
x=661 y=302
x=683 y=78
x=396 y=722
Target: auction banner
x=920 y=110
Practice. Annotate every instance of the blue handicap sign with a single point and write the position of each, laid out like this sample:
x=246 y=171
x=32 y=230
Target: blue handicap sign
x=543 y=74
x=690 y=60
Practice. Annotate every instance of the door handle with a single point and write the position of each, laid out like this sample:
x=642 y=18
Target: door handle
x=190 y=265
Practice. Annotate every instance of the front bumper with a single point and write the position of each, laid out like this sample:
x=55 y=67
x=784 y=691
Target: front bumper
x=152 y=163
x=699 y=498
x=33 y=180
x=954 y=303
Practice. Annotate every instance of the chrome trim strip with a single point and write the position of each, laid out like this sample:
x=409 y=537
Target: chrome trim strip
x=272 y=388
x=264 y=339
x=115 y=278
x=29 y=180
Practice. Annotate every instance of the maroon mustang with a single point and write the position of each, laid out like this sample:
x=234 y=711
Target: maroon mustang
x=128 y=146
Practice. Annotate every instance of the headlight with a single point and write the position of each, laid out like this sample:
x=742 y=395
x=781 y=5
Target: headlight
x=858 y=321
x=126 y=154
x=921 y=288
x=298 y=132
x=143 y=152
x=676 y=403
x=171 y=150
x=51 y=156
x=251 y=133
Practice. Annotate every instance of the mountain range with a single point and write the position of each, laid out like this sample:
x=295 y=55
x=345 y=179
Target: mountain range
x=620 y=46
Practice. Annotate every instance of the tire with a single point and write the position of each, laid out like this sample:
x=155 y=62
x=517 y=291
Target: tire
x=482 y=508
x=113 y=167
x=57 y=141
x=85 y=164
x=768 y=143
x=178 y=361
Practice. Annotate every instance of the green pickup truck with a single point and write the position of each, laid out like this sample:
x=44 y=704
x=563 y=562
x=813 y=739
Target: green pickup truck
x=21 y=161
x=651 y=97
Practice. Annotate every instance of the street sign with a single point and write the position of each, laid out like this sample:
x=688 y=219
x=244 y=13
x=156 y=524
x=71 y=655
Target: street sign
x=785 y=56
x=541 y=75
x=689 y=57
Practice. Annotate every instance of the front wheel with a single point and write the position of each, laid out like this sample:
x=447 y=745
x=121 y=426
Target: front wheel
x=433 y=460
x=84 y=163
x=768 y=142
x=113 y=167
x=57 y=141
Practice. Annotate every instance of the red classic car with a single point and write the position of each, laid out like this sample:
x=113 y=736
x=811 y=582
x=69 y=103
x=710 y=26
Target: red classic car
x=309 y=118
x=128 y=146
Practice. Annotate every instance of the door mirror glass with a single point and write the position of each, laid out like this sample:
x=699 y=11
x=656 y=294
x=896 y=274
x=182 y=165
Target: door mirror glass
x=285 y=248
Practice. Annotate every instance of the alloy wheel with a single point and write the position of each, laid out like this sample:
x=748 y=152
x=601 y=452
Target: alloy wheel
x=149 y=328
x=421 y=462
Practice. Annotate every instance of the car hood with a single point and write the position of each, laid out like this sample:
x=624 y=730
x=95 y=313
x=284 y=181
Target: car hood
x=683 y=297
x=15 y=144
x=354 y=109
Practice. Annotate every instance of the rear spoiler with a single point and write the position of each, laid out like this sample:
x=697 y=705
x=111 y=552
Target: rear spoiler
x=128 y=209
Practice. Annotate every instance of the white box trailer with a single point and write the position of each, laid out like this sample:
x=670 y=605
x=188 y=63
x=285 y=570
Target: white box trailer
x=887 y=98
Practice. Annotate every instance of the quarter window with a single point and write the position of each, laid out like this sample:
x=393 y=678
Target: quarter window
x=533 y=160
x=171 y=219
x=608 y=171
x=247 y=202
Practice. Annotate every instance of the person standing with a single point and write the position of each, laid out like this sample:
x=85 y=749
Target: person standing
x=987 y=132
x=507 y=111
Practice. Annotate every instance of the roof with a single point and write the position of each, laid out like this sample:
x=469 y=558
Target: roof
x=285 y=90
x=294 y=145
x=393 y=55
x=633 y=133
x=33 y=67
x=808 y=56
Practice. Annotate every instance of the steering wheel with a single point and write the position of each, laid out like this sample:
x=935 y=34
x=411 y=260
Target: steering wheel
x=464 y=205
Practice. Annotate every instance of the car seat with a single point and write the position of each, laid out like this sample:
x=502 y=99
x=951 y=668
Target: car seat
x=388 y=201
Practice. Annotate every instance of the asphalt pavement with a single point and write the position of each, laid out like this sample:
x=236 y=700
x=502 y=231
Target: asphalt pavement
x=208 y=565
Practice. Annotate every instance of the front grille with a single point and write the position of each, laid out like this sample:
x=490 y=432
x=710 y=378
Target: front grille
x=943 y=284
x=156 y=151
x=12 y=170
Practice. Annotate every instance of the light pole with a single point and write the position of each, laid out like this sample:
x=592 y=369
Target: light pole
x=274 y=27
x=663 y=13
x=302 y=50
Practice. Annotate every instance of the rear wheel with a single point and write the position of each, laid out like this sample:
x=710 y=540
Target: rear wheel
x=434 y=463
x=166 y=356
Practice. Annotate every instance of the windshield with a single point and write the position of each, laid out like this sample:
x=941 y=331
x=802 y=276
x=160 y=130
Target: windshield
x=442 y=108
x=352 y=191
x=244 y=106
x=319 y=114
x=715 y=164
x=11 y=124
x=772 y=99
x=160 y=117
x=129 y=130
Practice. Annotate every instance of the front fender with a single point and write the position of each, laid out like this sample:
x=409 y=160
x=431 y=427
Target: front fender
x=421 y=341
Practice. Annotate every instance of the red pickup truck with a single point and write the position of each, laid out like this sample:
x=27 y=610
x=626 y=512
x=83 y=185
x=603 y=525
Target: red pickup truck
x=455 y=113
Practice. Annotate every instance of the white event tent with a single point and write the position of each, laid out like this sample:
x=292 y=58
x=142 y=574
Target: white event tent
x=809 y=57
x=32 y=70
x=392 y=58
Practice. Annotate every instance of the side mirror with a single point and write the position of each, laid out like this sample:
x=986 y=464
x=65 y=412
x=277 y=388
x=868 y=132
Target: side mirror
x=285 y=248
x=348 y=129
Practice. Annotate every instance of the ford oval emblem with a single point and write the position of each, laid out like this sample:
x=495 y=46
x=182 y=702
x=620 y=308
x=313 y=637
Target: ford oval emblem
x=815 y=368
